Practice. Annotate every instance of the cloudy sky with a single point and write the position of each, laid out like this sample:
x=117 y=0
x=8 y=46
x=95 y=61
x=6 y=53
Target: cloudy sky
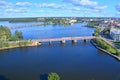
x=59 y=8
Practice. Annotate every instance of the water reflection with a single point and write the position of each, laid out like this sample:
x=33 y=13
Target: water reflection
x=118 y=77
x=3 y=77
x=43 y=76
x=4 y=52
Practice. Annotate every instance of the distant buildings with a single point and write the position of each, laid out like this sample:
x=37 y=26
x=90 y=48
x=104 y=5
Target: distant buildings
x=103 y=25
x=41 y=19
x=115 y=34
x=72 y=20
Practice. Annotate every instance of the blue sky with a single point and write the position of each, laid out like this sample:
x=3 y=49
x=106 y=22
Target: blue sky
x=59 y=8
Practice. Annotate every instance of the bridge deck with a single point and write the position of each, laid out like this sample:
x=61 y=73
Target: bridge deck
x=65 y=38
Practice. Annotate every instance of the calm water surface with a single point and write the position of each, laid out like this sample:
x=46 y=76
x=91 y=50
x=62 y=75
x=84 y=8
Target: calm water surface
x=81 y=61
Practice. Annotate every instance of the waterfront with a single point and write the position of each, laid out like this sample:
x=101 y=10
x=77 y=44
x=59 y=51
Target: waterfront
x=81 y=61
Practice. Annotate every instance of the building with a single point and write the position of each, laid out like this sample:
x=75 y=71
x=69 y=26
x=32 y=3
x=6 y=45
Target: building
x=112 y=23
x=115 y=34
x=72 y=21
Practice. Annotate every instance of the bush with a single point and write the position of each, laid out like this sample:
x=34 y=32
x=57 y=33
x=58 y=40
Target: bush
x=4 y=44
x=117 y=53
x=111 y=50
x=13 y=38
x=53 y=76
x=18 y=35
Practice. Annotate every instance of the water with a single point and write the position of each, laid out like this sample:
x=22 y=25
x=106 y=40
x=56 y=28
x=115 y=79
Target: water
x=81 y=61
x=50 y=31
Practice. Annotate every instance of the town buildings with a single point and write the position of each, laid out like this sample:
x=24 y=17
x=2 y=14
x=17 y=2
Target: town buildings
x=115 y=33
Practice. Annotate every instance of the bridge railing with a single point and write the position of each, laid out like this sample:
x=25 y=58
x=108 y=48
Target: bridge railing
x=64 y=38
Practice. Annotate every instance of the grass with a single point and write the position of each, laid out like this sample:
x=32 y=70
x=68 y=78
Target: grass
x=104 y=45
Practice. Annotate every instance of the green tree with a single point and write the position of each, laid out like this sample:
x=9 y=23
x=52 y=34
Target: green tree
x=96 y=32
x=53 y=76
x=18 y=35
x=13 y=38
x=4 y=33
x=117 y=53
x=106 y=31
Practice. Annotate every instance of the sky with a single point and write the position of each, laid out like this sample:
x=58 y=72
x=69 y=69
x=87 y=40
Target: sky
x=59 y=8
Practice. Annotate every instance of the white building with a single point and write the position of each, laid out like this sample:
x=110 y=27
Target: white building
x=115 y=34
x=73 y=21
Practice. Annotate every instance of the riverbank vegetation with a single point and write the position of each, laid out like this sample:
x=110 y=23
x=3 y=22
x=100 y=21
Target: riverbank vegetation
x=18 y=36
x=117 y=43
x=7 y=40
x=57 y=21
x=93 y=24
x=53 y=76
x=5 y=34
x=46 y=21
x=19 y=19
x=14 y=44
x=96 y=32
x=104 y=45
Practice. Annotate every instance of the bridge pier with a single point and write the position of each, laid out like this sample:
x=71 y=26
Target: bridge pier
x=50 y=42
x=85 y=40
x=36 y=43
x=74 y=41
x=63 y=42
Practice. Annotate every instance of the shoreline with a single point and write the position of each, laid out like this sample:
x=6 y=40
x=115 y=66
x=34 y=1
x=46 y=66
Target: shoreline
x=36 y=44
x=12 y=47
x=28 y=45
x=114 y=56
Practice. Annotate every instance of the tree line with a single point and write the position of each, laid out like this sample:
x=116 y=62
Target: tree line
x=19 y=19
x=8 y=40
x=6 y=35
x=93 y=24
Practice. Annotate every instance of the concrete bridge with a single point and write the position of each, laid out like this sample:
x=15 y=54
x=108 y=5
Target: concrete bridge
x=64 y=39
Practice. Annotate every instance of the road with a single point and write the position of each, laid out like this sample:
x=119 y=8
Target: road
x=110 y=41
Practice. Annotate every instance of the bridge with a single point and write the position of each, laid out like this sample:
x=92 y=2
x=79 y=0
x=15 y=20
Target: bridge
x=64 y=39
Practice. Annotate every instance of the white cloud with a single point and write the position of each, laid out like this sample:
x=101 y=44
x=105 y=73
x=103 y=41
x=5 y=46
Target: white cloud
x=4 y=4
x=87 y=4
x=75 y=9
x=62 y=7
x=92 y=10
x=20 y=10
x=38 y=11
x=118 y=7
x=51 y=5
x=118 y=13
x=23 y=4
